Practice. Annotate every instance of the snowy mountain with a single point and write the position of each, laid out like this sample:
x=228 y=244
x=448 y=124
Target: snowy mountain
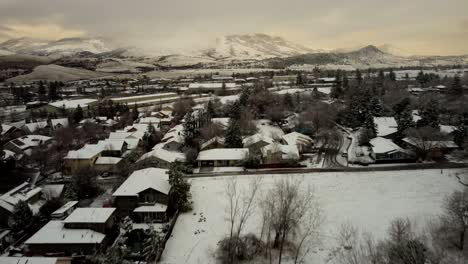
x=254 y=46
x=56 y=49
x=56 y=72
x=4 y=52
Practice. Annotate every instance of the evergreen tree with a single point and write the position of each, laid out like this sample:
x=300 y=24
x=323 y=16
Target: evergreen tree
x=456 y=88
x=299 y=79
x=21 y=217
x=345 y=82
x=381 y=78
x=392 y=75
x=370 y=125
x=244 y=96
x=430 y=115
x=359 y=77
x=288 y=101
x=149 y=139
x=53 y=95
x=337 y=90
x=233 y=137
x=153 y=245
x=375 y=107
x=315 y=93
x=180 y=195
x=42 y=90
x=135 y=113
x=78 y=114
x=210 y=112
x=404 y=121
x=190 y=129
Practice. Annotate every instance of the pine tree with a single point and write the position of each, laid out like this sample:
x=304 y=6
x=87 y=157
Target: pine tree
x=430 y=115
x=244 y=96
x=190 y=129
x=153 y=245
x=21 y=217
x=53 y=91
x=42 y=90
x=299 y=79
x=135 y=113
x=180 y=195
x=233 y=137
x=404 y=121
x=370 y=125
x=78 y=114
x=456 y=88
x=288 y=101
x=375 y=107
x=149 y=138
x=392 y=75
x=359 y=77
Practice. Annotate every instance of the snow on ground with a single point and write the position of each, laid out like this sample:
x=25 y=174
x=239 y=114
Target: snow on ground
x=229 y=98
x=368 y=200
x=267 y=129
x=55 y=73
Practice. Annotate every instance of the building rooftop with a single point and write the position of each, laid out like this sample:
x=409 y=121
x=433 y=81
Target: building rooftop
x=72 y=104
x=223 y=154
x=54 y=232
x=385 y=126
x=163 y=154
x=140 y=180
x=90 y=215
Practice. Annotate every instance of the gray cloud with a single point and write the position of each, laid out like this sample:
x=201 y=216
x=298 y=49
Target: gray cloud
x=154 y=24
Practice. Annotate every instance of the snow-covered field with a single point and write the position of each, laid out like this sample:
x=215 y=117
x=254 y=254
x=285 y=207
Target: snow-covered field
x=368 y=200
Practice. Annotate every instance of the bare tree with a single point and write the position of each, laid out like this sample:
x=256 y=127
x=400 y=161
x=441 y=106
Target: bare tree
x=456 y=216
x=241 y=205
x=290 y=205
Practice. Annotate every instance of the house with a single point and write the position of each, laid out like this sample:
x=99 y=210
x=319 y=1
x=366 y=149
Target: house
x=97 y=219
x=384 y=150
x=174 y=138
x=10 y=132
x=82 y=158
x=385 y=126
x=212 y=86
x=303 y=142
x=144 y=196
x=26 y=144
x=435 y=149
x=24 y=192
x=150 y=120
x=55 y=238
x=222 y=157
x=216 y=142
x=223 y=122
x=64 y=211
x=256 y=142
x=106 y=164
x=70 y=104
x=163 y=156
x=112 y=147
x=59 y=123
x=276 y=153
x=35 y=126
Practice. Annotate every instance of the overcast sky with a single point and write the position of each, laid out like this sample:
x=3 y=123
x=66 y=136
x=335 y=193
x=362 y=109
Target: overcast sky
x=416 y=26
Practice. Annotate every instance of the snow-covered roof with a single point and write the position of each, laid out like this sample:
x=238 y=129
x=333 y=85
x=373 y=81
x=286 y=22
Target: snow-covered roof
x=111 y=144
x=175 y=134
x=449 y=144
x=136 y=97
x=140 y=180
x=72 y=104
x=23 y=192
x=296 y=138
x=223 y=154
x=218 y=85
x=157 y=207
x=288 y=151
x=107 y=161
x=444 y=129
x=223 y=121
x=65 y=208
x=219 y=140
x=163 y=154
x=29 y=141
x=60 y=121
x=248 y=141
x=416 y=116
x=90 y=215
x=382 y=145
x=28 y=260
x=54 y=232
x=86 y=152
x=149 y=120
x=32 y=127
x=6 y=128
x=385 y=126
x=119 y=135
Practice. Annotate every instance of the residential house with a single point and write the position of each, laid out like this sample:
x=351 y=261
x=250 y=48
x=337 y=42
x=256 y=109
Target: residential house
x=112 y=147
x=10 y=132
x=303 y=142
x=82 y=158
x=64 y=211
x=59 y=123
x=216 y=142
x=163 y=156
x=384 y=150
x=98 y=219
x=276 y=153
x=34 y=260
x=435 y=149
x=144 y=195
x=174 y=138
x=55 y=238
x=256 y=142
x=24 y=192
x=26 y=144
x=385 y=126
x=222 y=157
x=35 y=126
x=106 y=164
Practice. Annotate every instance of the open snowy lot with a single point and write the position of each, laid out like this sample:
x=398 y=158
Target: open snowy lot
x=368 y=200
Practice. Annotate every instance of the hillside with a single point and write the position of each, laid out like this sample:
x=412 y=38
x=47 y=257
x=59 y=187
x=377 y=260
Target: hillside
x=54 y=72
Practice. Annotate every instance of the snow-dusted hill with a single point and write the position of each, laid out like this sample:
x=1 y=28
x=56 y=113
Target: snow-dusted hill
x=58 y=48
x=4 y=52
x=254 y=46
x=123 y=66
x=57 y=73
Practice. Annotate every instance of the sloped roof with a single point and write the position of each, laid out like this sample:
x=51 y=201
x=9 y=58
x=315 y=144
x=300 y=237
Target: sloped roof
x=385 y=126
x=163 y=154
x=295 y=138
x=90 y=215
x=140 y=180
x=223 y=154
x=382 y=145
x=54 y=232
